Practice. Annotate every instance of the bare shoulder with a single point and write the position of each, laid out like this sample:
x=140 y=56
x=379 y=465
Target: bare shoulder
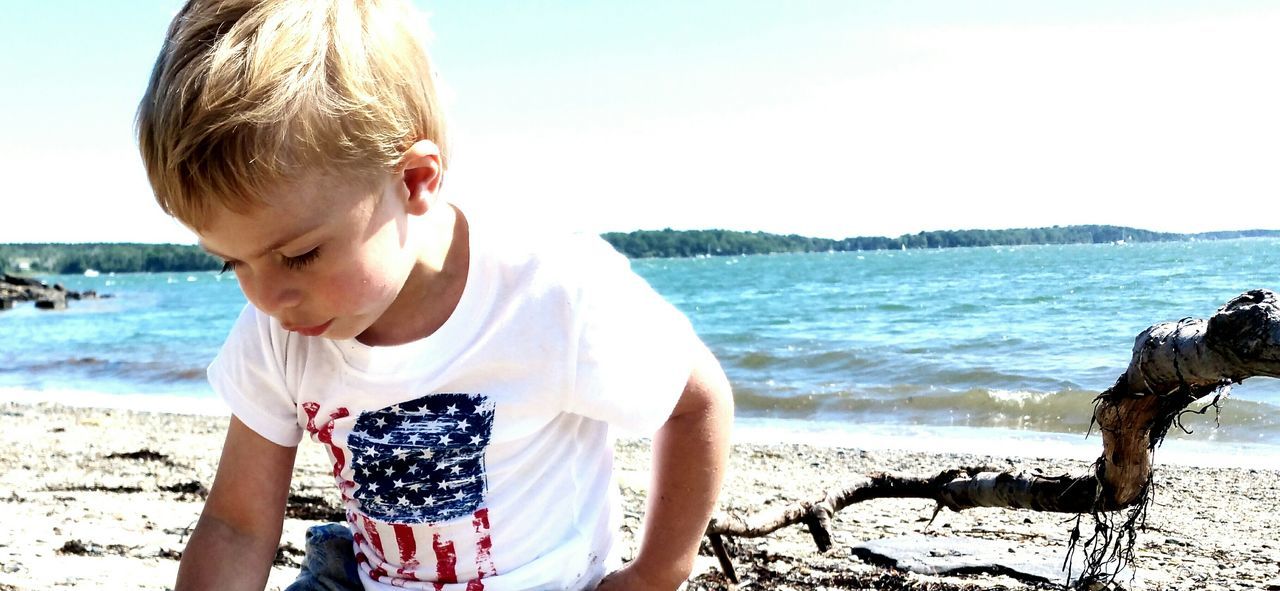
x=707 y=387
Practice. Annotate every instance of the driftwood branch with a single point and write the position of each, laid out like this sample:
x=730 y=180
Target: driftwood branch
x=1173 y=365
x=820 y=510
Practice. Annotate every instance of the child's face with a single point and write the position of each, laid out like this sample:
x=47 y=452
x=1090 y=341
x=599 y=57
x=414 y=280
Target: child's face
x=323 y=258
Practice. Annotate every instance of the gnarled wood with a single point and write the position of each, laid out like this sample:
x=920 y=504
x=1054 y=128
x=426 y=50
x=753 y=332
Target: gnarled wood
x=1173 y=365
x=819 y=510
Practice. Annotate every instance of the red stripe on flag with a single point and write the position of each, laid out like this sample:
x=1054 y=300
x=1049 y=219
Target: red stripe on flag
x=311 y=408
x=408 y=545
x=324 y=433
x=374 y=539
x=339 y=461
x=446 y=560
x=484 y=546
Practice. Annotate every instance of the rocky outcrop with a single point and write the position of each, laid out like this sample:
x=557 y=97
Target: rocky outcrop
x=24 y=289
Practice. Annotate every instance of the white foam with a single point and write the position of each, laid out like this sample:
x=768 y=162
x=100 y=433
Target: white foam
x=994 y=442
x=1019 y=397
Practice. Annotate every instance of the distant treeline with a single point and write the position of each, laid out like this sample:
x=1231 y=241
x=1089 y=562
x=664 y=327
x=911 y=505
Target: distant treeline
x=686 y=243
x=104 y=257
x=128 y=258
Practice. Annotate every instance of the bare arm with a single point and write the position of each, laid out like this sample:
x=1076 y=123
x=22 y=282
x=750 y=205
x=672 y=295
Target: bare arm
x=689 y=456
x=238 y=532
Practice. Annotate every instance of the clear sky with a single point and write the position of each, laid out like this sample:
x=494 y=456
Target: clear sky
x=820 y=117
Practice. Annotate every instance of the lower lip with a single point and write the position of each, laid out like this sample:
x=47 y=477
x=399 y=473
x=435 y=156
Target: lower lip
x=312 y=331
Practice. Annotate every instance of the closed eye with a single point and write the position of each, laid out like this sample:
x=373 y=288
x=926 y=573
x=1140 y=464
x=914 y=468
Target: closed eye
x=303 y=259
x=227 y=266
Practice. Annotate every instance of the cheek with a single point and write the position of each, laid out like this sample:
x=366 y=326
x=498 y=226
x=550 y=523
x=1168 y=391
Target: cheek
x=369 y=276
x=249 y=288
x=359 y=287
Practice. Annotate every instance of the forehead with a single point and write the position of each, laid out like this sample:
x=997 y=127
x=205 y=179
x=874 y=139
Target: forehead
x=286 y=213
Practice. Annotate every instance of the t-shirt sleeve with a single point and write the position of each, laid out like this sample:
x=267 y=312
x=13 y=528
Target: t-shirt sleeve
x=248 y=373
x=634 y=349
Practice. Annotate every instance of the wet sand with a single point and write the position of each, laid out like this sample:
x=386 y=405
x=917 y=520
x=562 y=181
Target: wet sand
x=104 y=499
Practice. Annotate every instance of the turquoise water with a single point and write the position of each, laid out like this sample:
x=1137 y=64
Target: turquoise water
x=993 y=341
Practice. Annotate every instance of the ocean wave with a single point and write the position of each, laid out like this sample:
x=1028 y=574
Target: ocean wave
x=953 y=361
x=797 y=359
x=963 y=308
x=151 y=371
x=1062 y=411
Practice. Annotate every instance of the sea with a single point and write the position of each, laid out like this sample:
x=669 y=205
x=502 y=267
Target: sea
x=991 y=350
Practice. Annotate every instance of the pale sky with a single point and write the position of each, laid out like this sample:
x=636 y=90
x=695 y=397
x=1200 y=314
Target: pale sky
x=818 y=117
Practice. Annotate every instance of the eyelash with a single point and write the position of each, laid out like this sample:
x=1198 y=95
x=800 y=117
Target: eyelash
x=302 y=260
x=293 y=263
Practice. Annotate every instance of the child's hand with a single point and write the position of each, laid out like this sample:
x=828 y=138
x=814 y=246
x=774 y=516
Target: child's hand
x=626 y=579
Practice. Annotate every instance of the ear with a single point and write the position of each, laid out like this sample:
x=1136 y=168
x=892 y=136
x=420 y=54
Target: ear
x=423 y=172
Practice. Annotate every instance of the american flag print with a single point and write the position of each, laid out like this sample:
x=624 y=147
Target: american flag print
x=422 y=461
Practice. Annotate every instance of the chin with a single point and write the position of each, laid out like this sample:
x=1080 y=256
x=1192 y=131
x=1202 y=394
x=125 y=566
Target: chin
x=337 y=333
x=349 y=331
x=341 y=335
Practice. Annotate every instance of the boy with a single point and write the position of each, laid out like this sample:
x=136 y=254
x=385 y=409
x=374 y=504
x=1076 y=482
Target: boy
x=463 y=378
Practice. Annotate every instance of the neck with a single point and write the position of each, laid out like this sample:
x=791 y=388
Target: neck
x=440 y=228
x=434 y=285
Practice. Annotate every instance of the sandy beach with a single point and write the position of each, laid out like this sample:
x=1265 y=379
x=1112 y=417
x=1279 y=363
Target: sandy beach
x=103 y=499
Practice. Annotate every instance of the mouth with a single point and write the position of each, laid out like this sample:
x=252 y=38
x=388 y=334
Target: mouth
x=310 y=331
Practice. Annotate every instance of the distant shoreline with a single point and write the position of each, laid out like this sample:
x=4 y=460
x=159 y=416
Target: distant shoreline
x=694 y=243
x=105 y=257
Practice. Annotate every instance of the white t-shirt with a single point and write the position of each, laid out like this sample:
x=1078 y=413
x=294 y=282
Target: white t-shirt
x=479 y=457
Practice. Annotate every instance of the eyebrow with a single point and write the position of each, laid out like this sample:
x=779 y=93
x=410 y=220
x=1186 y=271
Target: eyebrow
x=274 y=247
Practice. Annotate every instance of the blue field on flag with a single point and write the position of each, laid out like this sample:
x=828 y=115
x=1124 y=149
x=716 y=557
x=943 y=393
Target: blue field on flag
x=422 y=461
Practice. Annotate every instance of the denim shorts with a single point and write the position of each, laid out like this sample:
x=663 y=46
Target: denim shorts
x=330 y=563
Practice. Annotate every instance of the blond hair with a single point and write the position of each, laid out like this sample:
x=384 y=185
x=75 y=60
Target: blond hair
x=249 y=94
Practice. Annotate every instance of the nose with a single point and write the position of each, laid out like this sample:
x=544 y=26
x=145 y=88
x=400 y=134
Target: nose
x=272 y=292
